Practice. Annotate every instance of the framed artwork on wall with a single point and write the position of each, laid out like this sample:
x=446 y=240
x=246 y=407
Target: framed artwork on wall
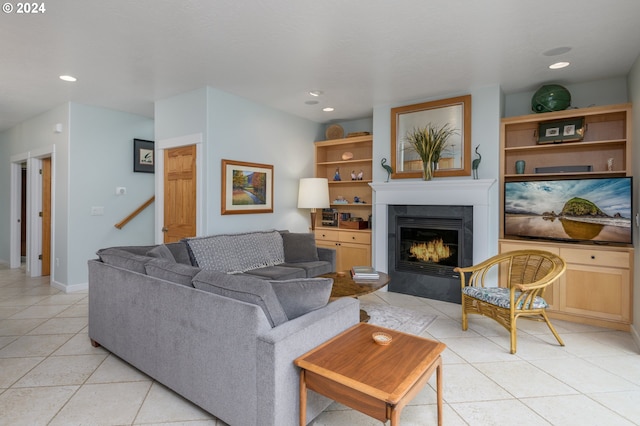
x=456 y=158
x=571 y=130
x=143 y=156
x=246 y=187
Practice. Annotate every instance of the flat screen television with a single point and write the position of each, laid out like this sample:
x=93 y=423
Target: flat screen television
x=593 y=209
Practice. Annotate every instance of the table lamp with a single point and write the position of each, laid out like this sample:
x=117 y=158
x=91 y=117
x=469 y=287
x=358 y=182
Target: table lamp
x=313 y=193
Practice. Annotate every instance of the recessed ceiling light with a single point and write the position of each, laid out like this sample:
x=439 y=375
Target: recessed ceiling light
x=327 y=109
x=68 y=78
x=316 y=92
x=559 y=65
x=311 y=102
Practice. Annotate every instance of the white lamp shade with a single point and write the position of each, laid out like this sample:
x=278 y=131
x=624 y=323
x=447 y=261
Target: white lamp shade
x=313 y=193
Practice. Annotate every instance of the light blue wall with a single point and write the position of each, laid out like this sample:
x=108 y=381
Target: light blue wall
x=242 y=130
x=101 y=158
x=486 y=108
x=184 y=114
x=593 y=93
x=634 y=97
x=351 y=126
x=234 y=128
x=93 y=154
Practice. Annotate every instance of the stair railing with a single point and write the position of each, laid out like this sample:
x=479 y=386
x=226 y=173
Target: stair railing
x=135 y=213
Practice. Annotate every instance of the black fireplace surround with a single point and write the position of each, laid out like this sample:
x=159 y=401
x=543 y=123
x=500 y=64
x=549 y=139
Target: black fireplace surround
x=425 y=244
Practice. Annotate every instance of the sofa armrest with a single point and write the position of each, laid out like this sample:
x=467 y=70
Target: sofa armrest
x=281 y=345
x=328 y=255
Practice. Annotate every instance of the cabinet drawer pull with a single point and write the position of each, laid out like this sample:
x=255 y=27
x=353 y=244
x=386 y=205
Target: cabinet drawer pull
x=593 y=256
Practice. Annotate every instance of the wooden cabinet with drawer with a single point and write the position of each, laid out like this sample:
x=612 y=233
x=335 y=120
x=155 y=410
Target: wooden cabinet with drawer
x=596 y=288
x=597 y=284
x=353 y=248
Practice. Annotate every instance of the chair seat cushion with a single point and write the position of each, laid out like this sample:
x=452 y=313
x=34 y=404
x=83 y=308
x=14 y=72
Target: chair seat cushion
x=499 y=296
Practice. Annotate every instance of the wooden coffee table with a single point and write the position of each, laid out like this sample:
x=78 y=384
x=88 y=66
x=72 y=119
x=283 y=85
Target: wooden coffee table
x=376 y=380
x=345 y=286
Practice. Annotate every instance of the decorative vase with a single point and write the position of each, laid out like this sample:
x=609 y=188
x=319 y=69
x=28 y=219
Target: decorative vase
x=520 y=164
x=427 y=170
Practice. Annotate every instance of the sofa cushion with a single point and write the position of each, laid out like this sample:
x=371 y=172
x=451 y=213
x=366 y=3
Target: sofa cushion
x=298 y=297
x=180 y=252
x=312 y=269
x=123 y=259
x=278 y=272
x=500 y=296
x=299 y=247
x=161 y=251
x=169 y=270
x=245 y=288
x=237 y=253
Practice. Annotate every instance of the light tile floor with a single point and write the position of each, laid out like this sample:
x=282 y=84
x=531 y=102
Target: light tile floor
x=51 y=375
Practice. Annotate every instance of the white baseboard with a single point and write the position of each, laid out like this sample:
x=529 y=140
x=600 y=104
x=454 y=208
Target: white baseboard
x=71 y=288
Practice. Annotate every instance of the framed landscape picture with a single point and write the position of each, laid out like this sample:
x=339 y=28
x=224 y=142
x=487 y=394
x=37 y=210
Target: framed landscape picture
x=246 y=187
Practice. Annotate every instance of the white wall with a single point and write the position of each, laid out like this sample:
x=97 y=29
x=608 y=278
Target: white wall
x=234 y=128
x=634 y=97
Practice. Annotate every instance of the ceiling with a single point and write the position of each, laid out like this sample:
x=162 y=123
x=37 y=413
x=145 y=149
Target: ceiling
x=127 y=54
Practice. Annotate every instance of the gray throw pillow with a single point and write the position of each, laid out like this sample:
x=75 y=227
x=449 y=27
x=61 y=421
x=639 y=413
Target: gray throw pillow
x=180 y=252
x=123 y=259
x=245 y=288
x=171 y=271
x=300 y=296
x=161 y=251
x=299 y=247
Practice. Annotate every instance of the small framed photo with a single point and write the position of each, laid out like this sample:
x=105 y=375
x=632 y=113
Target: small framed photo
x=143 y=156
x=246 y=187
x=561 y=131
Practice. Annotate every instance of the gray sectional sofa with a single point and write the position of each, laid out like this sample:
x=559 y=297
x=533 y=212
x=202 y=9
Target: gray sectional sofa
x=220 y=319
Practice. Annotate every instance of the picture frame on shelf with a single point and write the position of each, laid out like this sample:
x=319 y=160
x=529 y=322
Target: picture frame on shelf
x=571 y=130
x=246 y=187
x=143 y=156
x=455 y=112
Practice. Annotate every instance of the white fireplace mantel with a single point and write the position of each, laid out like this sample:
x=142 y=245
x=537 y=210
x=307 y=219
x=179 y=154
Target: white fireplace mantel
x=458 y=192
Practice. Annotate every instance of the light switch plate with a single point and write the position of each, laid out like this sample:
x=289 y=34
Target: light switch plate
x=97 y=211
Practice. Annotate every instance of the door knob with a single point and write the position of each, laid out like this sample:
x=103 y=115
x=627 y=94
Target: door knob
x=165 y=229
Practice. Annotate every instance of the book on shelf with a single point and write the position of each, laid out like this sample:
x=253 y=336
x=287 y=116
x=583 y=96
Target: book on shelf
x=364 y=273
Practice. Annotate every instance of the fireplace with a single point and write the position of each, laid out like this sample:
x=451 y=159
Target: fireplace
x=425 y=244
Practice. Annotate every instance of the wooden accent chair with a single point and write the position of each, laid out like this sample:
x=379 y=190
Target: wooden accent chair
x=528 y=273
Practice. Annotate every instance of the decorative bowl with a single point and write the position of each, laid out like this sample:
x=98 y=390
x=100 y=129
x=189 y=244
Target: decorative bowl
x=381 y=338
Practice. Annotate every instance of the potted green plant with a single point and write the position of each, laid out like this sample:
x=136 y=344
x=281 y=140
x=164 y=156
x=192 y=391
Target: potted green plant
x=429 y=142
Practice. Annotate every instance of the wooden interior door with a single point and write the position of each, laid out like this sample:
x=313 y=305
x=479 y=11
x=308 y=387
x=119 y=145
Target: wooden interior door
x=179 y=193
x=46 y=216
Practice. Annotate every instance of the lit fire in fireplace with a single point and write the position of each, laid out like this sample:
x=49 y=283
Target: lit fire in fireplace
x=433 y=251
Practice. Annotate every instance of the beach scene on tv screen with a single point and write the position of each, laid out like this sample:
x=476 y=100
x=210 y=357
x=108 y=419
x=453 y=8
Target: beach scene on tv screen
x=580 y=210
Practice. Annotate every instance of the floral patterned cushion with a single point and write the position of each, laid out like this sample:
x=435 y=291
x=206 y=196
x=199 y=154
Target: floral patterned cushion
x=500 y=297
